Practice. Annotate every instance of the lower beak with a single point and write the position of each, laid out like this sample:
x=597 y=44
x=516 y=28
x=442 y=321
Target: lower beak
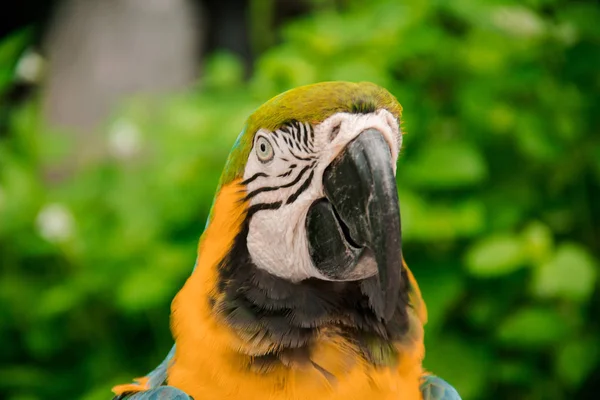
x=360 y=219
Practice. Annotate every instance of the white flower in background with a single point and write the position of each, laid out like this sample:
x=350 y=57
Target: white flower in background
x=55 y=223
x=124 y=139
x=518 y=21
x=30 y=67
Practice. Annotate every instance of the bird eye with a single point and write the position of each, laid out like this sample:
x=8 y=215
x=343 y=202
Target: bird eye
x=264 y=150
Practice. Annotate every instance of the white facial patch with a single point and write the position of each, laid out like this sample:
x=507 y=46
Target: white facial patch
x=283 y=185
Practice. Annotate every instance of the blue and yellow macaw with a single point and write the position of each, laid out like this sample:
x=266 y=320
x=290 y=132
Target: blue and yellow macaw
x=300 y=290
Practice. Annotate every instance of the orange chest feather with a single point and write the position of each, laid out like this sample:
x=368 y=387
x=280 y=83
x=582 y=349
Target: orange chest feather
x=212 y=369
x=209 y=364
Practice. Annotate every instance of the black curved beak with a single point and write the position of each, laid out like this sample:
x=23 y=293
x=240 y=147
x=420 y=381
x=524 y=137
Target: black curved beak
x=360 y=219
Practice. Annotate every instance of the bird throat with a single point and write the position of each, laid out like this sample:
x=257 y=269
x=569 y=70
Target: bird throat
x=282 y=322
x=235 y=317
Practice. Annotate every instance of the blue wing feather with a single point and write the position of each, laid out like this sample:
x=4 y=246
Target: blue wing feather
x=156 y=384
x=160 y=393
x=435 y=388
x=159 y=375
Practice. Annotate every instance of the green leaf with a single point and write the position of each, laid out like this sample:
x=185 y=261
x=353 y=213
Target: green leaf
x=142 y=290
x=480 y=312
x=532 y=327
x=447 y=165
x=442 y=286
x=583 y=16
x=428 y=220
x=533 y=139
x=462 y=364
x=495 y=256
x=518 y=22
x=11 y=48
x=223 y=70
x=576 y=359
x=58 y=300
x=538 y=242
x=571 y=274
x=596 y=157
x=519 y=372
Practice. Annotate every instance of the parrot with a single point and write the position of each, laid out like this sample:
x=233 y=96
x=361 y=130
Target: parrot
x=300 y=289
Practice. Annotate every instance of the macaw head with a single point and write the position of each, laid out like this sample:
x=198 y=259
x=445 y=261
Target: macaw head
x=299 y=282
x=318 y=166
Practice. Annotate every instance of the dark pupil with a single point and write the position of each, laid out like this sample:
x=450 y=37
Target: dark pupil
x=263 y=148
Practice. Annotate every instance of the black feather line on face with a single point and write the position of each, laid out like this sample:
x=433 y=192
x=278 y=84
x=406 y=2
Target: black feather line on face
x=277 y=144
x=291 y=169
x=297 y=136
x=305 y=137
x=272 y=188
x=297 y=132
x=305 y=129
x=305 y=185
x=254 y=177
x=301 y=132
x=301 y=158
x=287 y=316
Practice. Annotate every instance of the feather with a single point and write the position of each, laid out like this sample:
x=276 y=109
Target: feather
x=160 y=393
x=435 y=388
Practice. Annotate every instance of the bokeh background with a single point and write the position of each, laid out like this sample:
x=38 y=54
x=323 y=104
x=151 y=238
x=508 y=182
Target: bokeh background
x=116 y=117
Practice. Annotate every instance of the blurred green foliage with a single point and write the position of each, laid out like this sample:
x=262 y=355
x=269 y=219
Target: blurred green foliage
x=499 y=186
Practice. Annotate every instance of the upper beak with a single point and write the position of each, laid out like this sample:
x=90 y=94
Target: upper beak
x=360 y=217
